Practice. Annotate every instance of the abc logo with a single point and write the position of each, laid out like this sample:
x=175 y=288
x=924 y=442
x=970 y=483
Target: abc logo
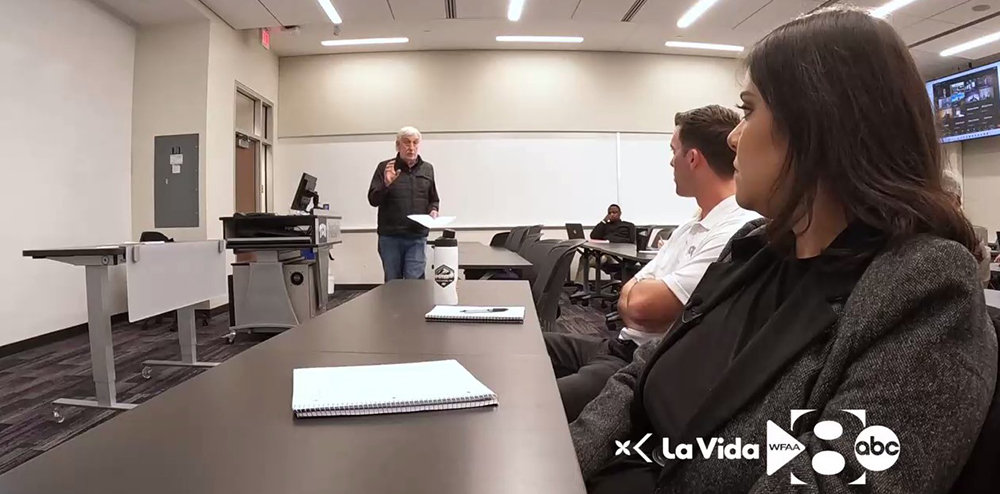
x=877 y=448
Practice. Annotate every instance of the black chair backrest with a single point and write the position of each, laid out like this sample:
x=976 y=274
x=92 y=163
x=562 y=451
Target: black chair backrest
x=642 y=237
x=535 y=229
x=537 y=254
x=529 y=240
x=515 y=238
x=547 y=288
x=499 y=240
x=574 y=231
x=154 y=237
x=664 y=233
x=981 y=473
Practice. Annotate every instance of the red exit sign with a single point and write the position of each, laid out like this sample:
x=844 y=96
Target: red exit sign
x=265 y=37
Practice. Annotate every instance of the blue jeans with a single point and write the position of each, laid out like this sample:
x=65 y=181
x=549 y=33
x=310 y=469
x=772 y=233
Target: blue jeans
x=402 y=257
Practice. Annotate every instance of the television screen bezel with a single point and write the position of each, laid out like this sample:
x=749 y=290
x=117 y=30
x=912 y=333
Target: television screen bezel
x=929 y=87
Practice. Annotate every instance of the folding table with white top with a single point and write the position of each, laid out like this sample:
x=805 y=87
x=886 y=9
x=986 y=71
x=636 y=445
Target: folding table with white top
x=161 y=277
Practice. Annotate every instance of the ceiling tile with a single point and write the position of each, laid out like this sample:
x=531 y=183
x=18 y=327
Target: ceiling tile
x=242 y=14
x=485 y=9
x=303 y=12
x=773 y=15
x=963 y=13
x=417 y=10
x=922 y=30
x=543 y=10
x=920 y=8
x=154 y=13
x=602 y=10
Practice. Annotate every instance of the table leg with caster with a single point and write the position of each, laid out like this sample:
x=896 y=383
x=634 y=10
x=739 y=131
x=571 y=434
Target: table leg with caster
x=102 y=356
x=188 y=336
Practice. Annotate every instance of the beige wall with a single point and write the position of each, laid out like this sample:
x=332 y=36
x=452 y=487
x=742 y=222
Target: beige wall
x=981 y=177
x=232 y=56
x=169 y=97
x=479 y=91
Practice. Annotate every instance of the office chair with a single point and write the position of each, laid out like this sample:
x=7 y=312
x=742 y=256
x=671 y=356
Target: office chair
x=499 y=240
x=663 y=234
x=546 y=290
x=980 y=473
x=515 y=238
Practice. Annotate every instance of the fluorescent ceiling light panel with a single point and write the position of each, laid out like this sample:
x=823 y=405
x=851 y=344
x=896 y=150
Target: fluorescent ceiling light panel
x=890 y=7
x=331 y=12
x=364 y=41
x=703 y=46
x=695 y=12
x=976 y=43
x=541 y=39
x=515 y=9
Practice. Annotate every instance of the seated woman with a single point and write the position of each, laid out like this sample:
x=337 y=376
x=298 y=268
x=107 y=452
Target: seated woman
x=858 y=293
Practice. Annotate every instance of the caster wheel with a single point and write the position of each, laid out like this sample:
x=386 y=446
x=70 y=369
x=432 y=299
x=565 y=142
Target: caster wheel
x=57 y=416
x=147 y=372
x=611 y=326
x=585 y=303
x=204 y=322
x=231 y=337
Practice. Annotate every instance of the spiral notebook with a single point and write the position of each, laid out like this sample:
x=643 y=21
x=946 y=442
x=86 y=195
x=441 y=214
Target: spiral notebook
x=387 y=388
x=465 y=313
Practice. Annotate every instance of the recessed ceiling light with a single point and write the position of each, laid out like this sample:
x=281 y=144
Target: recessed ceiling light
x=514 y=10
x=541 y=39
x=331 y=12
x=890 y=7
x=364 y=41
x=703 y=46
x=695 y=12
x=981 y=7
x=985 y=40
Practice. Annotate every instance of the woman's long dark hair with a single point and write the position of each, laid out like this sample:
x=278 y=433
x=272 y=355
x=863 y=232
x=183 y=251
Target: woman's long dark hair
x=846 y=94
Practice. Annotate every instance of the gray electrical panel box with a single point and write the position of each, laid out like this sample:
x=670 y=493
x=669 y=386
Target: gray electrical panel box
x=175 y=189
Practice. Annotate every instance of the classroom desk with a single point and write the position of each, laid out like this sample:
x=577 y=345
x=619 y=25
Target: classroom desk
x=231 y=430
x=474 y=255
x=622 y=252
x=165 y=277
x=390 y=319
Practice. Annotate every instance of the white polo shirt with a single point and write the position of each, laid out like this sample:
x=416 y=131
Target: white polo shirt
x=685 y=256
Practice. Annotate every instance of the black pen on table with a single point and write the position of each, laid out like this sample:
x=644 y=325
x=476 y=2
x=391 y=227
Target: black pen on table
x=483 y=311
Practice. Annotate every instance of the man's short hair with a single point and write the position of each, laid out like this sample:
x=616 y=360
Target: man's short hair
x=707 y=129
x=615 y=206
x=407 y=132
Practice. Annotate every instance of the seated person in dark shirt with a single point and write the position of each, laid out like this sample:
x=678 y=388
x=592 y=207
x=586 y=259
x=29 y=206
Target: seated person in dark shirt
x=613 y=229
x=858 y=298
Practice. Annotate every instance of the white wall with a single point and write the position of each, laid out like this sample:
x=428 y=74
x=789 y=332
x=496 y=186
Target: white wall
x=66 y=92
x=170 y=97
x=485 y=91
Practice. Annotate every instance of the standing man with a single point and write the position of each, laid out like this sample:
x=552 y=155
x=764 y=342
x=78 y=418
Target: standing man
x=703 y=169
x=400 y=187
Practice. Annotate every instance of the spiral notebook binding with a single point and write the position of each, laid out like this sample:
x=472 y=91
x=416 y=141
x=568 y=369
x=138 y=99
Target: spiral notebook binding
x=349 y=409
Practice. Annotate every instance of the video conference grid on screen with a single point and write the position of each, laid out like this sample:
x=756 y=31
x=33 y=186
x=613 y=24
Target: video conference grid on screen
x=967 y=104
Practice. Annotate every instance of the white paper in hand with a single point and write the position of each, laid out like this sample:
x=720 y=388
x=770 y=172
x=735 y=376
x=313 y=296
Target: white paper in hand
x=429 y=222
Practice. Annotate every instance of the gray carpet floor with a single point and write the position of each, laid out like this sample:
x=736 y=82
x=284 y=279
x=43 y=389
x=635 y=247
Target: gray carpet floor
x=32 y=379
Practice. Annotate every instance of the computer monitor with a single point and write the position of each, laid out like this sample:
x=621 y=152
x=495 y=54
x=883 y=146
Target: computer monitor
x=305 y=193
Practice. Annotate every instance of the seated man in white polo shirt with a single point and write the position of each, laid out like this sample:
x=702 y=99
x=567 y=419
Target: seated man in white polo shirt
x=649 y=303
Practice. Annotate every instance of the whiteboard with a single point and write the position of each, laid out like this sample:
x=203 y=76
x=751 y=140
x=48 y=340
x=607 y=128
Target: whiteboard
x=497 y=179
x=646 y=182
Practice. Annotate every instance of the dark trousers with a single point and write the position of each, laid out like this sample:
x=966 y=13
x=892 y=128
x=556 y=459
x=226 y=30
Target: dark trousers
x=402 y=257
x=583 y=365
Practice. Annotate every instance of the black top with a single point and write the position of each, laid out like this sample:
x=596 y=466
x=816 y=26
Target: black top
x=681 y=378
x=619 y=232
x=413 y=192
x=703 y=355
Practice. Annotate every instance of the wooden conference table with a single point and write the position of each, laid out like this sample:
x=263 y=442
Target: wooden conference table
x=622 y=252
x=231 y=428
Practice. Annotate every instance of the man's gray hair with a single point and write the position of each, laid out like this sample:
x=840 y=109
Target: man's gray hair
x=407 y=132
